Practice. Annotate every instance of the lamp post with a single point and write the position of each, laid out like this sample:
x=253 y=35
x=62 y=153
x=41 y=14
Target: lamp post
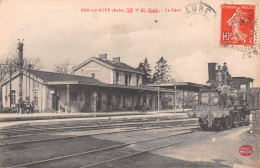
x=95 y=100
x=175 y=98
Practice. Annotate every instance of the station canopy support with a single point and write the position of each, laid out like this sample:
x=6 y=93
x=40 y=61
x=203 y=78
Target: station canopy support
x=183 y=86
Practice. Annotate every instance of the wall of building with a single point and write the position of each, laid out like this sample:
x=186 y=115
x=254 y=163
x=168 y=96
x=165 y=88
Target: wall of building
x=101 y=72
x=6 y=92
x=82 y=99
x=122 y=75
x=107 y=75
x=33 y=90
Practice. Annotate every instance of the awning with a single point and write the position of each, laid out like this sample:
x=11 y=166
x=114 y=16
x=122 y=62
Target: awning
x=186 y=86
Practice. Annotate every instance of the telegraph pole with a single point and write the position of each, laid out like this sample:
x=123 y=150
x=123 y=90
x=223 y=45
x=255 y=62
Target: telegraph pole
x=158 y=99
x=20 y=68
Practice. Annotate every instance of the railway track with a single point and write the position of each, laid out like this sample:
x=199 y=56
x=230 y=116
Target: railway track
x=87 y=122
x=133 y=154
x=106 y=149
x=81 y=139
x=31 y=131
x=130 y=129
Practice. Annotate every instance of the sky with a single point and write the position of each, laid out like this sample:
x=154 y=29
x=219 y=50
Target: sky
x=57 y=30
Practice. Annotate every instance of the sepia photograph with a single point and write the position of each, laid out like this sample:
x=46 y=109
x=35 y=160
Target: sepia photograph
x=129 y=84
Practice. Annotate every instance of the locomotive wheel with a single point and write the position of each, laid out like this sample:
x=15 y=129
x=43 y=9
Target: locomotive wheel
x=227 y=122
x=235 y=119
x=247 y=122
x=203 y=125
x=218 y=126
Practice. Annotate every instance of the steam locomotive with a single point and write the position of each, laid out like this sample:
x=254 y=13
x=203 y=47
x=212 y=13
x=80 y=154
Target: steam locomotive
x=225 y=101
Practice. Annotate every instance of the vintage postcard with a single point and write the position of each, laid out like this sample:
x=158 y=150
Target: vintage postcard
x=129 y=84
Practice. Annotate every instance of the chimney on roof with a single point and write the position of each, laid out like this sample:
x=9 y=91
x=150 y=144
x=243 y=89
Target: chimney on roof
x=103 y=56
x=116 y=59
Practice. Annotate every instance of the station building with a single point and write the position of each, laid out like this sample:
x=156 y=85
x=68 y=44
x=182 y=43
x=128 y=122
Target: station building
x=97 y=84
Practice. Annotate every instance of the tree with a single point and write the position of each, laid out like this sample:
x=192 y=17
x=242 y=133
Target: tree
x=34 y=62
x=162 y=72
x=145 y=67
x=64 y=67
x=10 y=64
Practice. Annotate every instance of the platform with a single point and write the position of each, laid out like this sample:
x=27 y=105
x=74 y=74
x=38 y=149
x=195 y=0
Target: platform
x=54 y=118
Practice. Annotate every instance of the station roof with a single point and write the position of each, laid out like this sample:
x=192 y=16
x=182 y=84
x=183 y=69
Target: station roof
x=243 y=79
x=186 y=86
x=110 y=64
x=53 y=78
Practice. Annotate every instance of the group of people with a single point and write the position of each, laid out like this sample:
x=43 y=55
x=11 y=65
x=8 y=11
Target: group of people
x=27 y=107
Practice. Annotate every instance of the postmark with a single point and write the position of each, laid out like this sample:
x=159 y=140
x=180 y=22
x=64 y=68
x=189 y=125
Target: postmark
x=237 y=25
x=246 y=150
x=200 y=8
x=249 y=52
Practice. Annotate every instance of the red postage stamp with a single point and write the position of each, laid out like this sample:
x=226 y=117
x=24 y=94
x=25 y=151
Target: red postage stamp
x=237 y=24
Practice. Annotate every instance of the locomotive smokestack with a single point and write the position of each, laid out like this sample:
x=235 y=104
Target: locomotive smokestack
x=212 y=71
